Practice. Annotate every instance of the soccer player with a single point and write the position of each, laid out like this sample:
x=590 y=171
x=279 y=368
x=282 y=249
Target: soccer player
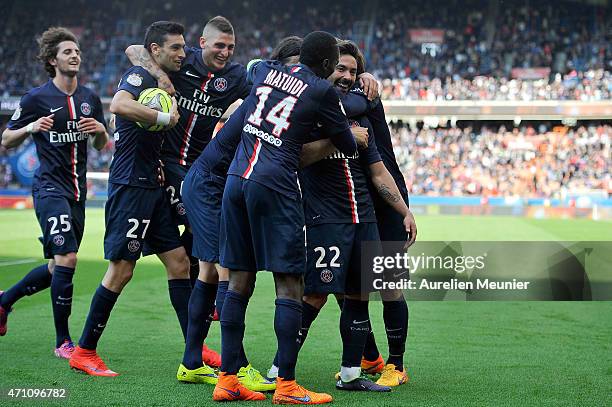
x=206 y=85
x=262 y=218
x=138 y=218
x=61 y=116
x=339 y=217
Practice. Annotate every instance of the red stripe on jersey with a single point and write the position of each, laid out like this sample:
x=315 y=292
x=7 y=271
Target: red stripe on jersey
x=190 y=125
x=75 y=176
x=71 y=107
x=351 y=191
x=253 y=159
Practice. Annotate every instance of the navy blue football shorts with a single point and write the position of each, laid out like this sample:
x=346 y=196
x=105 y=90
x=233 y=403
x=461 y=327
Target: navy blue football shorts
x=175 y=174
x=62 y=222
x=202 y=195
x=261 y=229
x=138 y=221
x=390 y=223
x=334 y=258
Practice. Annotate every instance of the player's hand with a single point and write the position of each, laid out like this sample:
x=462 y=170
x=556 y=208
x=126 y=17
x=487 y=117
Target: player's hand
x=369 y=84
x=361 y=136
x=411 y=228
x=161 y=176
x=164 y=83
x=43 y=124
x=90 y=125
x=174 y=114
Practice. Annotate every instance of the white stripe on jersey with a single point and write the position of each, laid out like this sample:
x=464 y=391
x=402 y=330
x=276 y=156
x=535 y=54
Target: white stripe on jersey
x=72 y=109
x=192 y=124
x=254 y=161
x=351 y=185
x=75 y=152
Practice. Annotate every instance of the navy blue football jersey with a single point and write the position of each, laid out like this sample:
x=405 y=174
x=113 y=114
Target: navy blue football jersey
x=203 y=96
x=218 y=154
x=62 y=151
x=137 y=151
x=377 y=118
x=335 y=189
x=285 y=105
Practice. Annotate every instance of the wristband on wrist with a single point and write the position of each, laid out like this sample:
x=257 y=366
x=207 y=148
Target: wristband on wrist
x=163 y=118
x=30 y=128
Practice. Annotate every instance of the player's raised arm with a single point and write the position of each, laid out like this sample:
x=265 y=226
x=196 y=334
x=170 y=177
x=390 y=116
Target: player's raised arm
x=139 y=56
x=387 y=189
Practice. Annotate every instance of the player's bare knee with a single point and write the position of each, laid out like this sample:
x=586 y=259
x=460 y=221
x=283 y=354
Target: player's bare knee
x=208 y=273
x=51 y=266
x=66 y=260
x=242 y=282
x=222 y=272
x=289 y=286
x=315 y=300
x=119 y=273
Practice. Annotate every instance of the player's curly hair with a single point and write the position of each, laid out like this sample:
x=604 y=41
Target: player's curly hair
x=48 y=44
x=287 y=47
x=347 y=47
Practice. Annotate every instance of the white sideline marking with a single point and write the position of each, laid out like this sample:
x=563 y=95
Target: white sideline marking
x=15 y=262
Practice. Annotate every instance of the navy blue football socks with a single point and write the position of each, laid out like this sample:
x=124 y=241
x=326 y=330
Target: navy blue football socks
x=354 y=329
x=232 y=330
x=395 y=315
x=370 y=351
x=102 y=304
x=194 y=265
x=287 y=324
x=221 y=291
x=309 y=314
x=180 y=291
x=36 y=280
x=61 y=301
x=201 y=308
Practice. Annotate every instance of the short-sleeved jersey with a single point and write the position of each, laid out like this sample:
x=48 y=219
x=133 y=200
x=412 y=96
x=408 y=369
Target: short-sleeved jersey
x=137 y=151
x=203 y=96
x=335 y=189
x=285 y=105
x=62 y=151
x=218 y=154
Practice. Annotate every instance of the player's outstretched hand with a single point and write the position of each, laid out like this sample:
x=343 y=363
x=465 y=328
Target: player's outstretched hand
x=90 y=125
x=361 y=136
x=411 y=228
x=164 y=83
x=174 y=114
x=369 y=84
x=43 y=124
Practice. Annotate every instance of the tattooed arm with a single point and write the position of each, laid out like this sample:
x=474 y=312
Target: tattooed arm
x=139 y=56
x=387 y=189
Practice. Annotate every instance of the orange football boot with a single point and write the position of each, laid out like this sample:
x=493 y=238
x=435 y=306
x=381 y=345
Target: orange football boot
x=289 y=392
x=228 y=388
x=210 y=357
x=89 y=362
x=373 y=367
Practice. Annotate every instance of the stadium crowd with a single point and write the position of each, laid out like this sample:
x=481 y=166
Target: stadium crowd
x=526 y=161
x=522 y=161
x=482 y=41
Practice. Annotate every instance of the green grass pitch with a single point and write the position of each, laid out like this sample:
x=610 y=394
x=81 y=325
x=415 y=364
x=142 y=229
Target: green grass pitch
x=458 y=353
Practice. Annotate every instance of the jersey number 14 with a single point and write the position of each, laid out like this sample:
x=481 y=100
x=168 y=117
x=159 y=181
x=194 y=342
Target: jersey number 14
x=277 y=116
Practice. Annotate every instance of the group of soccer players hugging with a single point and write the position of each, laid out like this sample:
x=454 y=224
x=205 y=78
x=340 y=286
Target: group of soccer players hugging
x=300 y=175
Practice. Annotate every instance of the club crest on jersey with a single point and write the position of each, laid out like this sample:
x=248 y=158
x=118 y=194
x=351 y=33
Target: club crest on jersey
x=327 y=276
x=85 y=108
x=220 y=84
x=180 y=209
x=134 y=79
x=133 y=246
x=58 y=240
x=17 y=114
